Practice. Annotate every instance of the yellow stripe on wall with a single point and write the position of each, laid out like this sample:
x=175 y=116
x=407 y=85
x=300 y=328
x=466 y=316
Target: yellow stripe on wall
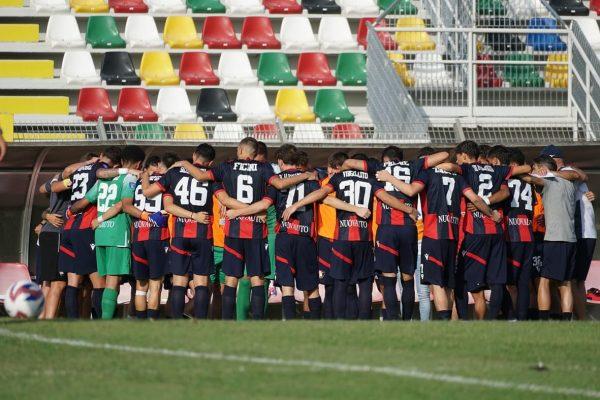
x=27 y=69
x=58 y=105
x=19 y=33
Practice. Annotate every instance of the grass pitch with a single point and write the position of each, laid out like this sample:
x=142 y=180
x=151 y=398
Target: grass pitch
x=482 y=360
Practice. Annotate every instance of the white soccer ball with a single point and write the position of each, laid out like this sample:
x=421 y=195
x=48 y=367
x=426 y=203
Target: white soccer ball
x=24 y=299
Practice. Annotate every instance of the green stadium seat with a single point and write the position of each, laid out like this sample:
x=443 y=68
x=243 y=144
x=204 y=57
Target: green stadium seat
x=490 y=7
x=150 y=132
x=274 y=69
x=404 y=7
x=102 y=33
x=206 y=6
x=351 y=69
x=522 y=75
x=330 y=106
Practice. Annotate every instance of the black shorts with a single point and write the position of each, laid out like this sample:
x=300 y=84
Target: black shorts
x=149 y=259
x=520 y=261
x=583 y=258
x=78 y=252
x=559 y=260
x=352 y=261
x=538 y=255
x=48 y=258
x=324 y=247
x=191 y=256
x=438 y=260
x=253 y=254
x=396 y=248
x=483 y=261
x=296 y=259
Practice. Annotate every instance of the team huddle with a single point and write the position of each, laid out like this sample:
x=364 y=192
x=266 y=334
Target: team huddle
x=446 y=224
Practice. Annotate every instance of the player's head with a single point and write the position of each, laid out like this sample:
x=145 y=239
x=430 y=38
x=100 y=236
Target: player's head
x=360 y=156
x=515 y=157
x=88 y=156
x=132 y=156
x=262 y=153
x=204 y=154
x=466 y=152
x=286 y=156
x=167 y=160
x=111 y=155
x=498 y=155
x=247 y=149
x=302 y=160
x=544 y=163
x=335 y=161
x=555 y=153
x=152 y=164
x=425 y=151
x=392 y=153
x=483 y=151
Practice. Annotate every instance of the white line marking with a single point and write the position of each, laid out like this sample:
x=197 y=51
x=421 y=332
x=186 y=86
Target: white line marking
x=391 y=371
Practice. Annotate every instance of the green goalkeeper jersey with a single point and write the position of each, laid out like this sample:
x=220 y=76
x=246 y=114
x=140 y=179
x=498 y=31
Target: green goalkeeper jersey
x=106 y=193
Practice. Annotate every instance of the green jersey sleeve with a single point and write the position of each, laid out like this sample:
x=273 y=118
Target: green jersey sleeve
x=128 y=188
x=92 y=194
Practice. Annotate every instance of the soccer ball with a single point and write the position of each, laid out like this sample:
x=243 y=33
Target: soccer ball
x=24 y=299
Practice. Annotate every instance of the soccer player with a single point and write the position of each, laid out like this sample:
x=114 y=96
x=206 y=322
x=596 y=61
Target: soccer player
x=112 y=227
x=77 y=256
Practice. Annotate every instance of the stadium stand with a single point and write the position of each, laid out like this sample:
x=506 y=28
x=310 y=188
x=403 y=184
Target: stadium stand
x=401 y=69
x=522 y=75
x=102 y=32
x=244 y=6
x=141 y=31
x=388 y=41
x=213 y=106
x=78 y=67
x=429 y=72
x=33 y=69
x=206 y=6
x=156 y=69
x=291 y=105
x=413 y=41
x=180 y=33
x=228 y=132
x=591 y=31
x=347 y=131
x=358 y=7
x=334 y=34
x=94 y=103
x=257 y=33
x=88 y=6
x=189 y=132
x=128 y=6
x=274 y=69
x=251 y=105
x=544 y=41
x=557 y=75
x=63 y=31
x=313 y=69
x=173 y=105
x=134 y=105
x=218 y=33
x=195 y=69
x=283 y=6
x=569 y=7
x=404 y=7
x=351 y=69
x=117 y=69
x=306 y=133
x=34 y=105
x=321 y=7
x=235 y=69
x=49 y=5
x=330 y=106
x=297 y=34
x=166 y=6
x=486 y=74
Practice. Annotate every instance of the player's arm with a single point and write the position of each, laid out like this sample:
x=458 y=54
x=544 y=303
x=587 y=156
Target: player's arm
x=130 y=209
x=499 y=196
x=520 y=169
x=351 y=163
x=70 y=169
x=436 y=159
x=450 y=167
x=79 y=206
x=194 y=171
x=252 y=209
x=282 y=183
x=410 y=190
x=480 y=204
x=313 y=197
x=572 y=174
x=109 y=173
x=173 y=209
x=534 y=180
x=397 y=204
x=229 y=202
x=150 y=190
x=112 y=212
x=339 y=204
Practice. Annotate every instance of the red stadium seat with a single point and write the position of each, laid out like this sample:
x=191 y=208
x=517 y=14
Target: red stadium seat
x=11 y=273
x=595 y=6
x=385 y=37
x=218 y=33
x=257 y=33
x=265 y=131
x=313 y=70
x=134 y=105
x=486 y=75
x=128 y=6
x=195 y=69
x=94 y=103
x=282 y=6
x=346 y=131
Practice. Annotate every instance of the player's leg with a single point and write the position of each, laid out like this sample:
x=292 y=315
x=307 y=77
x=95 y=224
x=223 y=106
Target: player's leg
x=386 y=264
x=154 y=291
x=141 y=295
x=364 y=273
x=543 y=298
x=496 y=273
x=109 y=297
x=203 y=264
x=242 y=304
x=54 y=298
x=86 y=264
x=233 y=268
x=141 y=271
x=583 y=260
x=423 y=290
x=66 y=265
x=523 y=287
x=407 y=245
x=566 y=300
x=324 y=259
x=476 y=249
x=258 y=265
x=307 y=275
x=340 y=272
x=118 y=265
x=180 y=264
x=284 y=274
x=158 y=251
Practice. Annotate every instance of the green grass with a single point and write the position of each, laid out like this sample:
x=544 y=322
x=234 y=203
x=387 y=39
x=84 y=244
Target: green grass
x=494 y=351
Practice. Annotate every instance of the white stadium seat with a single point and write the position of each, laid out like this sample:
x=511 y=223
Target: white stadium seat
x=63 y=31
x=431 y=74
x=335 y=34
x=358 y=7
x=228 y=132
x=166 y=6
x=296 y=34
x=251 y=105
x=243 y=6
x=49 y=5
x=308 y=133
x=141 y=31
x=173 y=105
x=78 y=68
x=235 y=69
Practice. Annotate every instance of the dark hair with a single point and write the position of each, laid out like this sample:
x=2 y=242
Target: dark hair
x=483 y=150
x=287 y=153
x=152 y=161
x=425 y=151
x=301 y=159
x=205 y=152
x=132 y=154
x=169 y=159
x=393 y=153
x=547 y=162
x=113 y=153
x=336 y=159
x=251 y=144
x=500 y=152
x=88 y=156
x=515 y=155
x=469 y=148
x=261 y=149
x=360 y=156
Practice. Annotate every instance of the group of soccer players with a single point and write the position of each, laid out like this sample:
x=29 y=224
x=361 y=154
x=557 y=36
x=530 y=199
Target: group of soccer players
x=480 y=218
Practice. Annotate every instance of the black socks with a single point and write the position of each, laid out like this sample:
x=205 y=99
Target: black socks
x=257 y=302
x=201 y=301
x=72 y=302
x=228 y=303
x=177 y=301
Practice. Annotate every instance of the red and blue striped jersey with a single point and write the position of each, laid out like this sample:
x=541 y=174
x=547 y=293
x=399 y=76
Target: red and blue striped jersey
x=519 y=211
x=82 y=181
x=146 y=230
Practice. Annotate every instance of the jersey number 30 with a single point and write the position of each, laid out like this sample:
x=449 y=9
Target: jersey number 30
x=357 y=193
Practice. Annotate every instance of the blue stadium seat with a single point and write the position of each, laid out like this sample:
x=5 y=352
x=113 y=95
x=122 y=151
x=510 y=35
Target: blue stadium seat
x=544 y=41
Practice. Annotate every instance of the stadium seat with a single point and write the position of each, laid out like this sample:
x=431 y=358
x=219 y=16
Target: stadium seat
x=569 y=7
x=166 y=6
x=265 y=132
x=94 y=103
x=49 y=5
x=156 y=69
x=386 y=39
x=404 y=7
x=358 y=7
x=189 y=132
x=128 y=6
x=346 y=131
x=11 y=273
x=313 y=70
x=206 y=6
x=63 y=31
x=522 y=75
x=334 y=34
x=180 y=33
x=235 y=69
x=32 y=105
x=595 y=6
x=490 y=7
x=429 y=72
x=134 y=105
x=321 y=7
x=282 y=6
x=413 y=41
x=88 y=6
x=196 y=69
x=330 y=106
x=218 y=33
x=173 y=105
x=228 y=132
x=244 y=6
x=33 y=69
x=78 y=68
x=544 y=41
x=117 y=69
x=274 y=69
x=351 y=69
x=20 y=33
x=141 y=31
x=251 y=105
x=557 y=75
x=307 y=133
x=500 y=41
x=149 y=132
x=296 y=34
x=486 y=75
x=102 y=32
x=213 y=106
x=291 y=105
x=257 y=33
x=402 y=68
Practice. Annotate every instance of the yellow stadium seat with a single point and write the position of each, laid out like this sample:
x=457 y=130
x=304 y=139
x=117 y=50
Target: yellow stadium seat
x=413 y=41
x=27 y=69
x=180 y=33
x=19 y=32
x=57 y=105
x=88 y=6
x=156 y=69
x=291 y=105
x=7 y=125
x=189 y=132
x=401 y=69
x=557 y=75
x=11 y=3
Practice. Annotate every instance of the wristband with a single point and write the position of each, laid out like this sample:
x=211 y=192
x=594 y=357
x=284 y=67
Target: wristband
x=67 y=182
x=486 y=200
x=100 y=219
x=144 y=216
x=123 y=171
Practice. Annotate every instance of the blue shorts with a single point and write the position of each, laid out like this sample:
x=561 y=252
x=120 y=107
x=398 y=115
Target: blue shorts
x=78 y=252
x=191 y=256
x=559 y=261
x=438 y=258
x=296 y=260
x=324 y=246
x=584 y=257
x=396 y=248
x=538 y=255
x=352 y=261
x=149 y=259
x=483 y=261
x=253 y=254
x=520 y=261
